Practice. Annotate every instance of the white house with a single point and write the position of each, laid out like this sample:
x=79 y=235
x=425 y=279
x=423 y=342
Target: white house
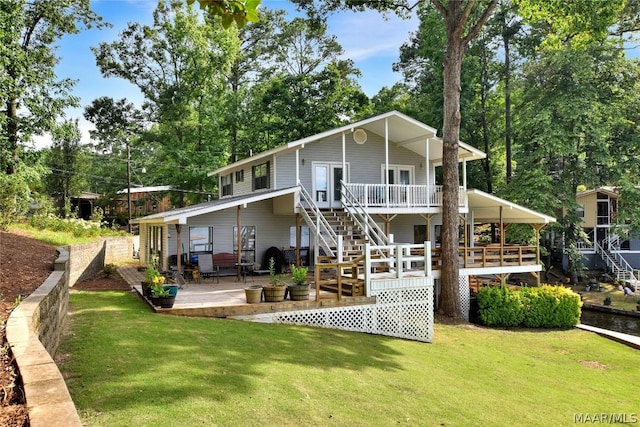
x=363 y=199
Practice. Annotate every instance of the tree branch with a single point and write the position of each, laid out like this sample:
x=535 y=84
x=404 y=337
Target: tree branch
x=483 y=20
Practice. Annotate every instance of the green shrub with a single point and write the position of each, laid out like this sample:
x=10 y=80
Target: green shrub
x=543 y=307
x=500 y=307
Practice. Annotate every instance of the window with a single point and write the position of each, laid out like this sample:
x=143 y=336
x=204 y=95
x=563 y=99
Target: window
x=201 y=239
x=304 y=236
x=261 y=176
x=155 y=237
x=227 y=185
x=580 y=211
x=248 y=237
x=240 y=175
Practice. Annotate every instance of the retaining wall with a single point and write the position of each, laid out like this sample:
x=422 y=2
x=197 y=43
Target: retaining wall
x=34 y=328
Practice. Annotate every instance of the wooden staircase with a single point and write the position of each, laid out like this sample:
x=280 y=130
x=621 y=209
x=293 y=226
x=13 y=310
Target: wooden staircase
x=347 y=276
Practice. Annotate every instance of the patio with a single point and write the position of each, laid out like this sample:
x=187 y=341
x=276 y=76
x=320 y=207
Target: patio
x=227 y=298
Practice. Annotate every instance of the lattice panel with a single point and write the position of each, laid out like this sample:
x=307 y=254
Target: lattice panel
x=404 y=313
x=465 y=296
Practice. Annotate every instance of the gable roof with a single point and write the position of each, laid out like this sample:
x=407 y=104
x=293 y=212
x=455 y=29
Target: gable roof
x=403 y=131
x=610 y=191
x=180 y=215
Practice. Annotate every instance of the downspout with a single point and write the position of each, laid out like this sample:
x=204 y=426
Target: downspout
x=464 y=181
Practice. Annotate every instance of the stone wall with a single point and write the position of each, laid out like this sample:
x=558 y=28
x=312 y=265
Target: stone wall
x=88 y=258
x=34 y=328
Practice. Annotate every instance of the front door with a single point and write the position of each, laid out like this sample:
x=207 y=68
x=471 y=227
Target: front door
x=326 y=184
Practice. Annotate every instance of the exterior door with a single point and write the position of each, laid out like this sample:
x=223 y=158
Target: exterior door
x=326 y=184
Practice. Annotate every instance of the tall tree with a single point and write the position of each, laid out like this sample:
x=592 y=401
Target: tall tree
x=463 y=21
x=179 y=63
x=68 y=164
x=31 y=96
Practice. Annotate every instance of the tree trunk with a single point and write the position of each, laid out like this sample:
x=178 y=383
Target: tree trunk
x=449 y=303
x=12 y=137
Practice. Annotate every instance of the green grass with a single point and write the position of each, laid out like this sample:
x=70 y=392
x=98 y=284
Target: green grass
x=55 y=238
x=618 y=300
x=126 y=366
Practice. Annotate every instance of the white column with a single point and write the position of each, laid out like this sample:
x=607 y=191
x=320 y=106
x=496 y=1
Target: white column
x=386 y=159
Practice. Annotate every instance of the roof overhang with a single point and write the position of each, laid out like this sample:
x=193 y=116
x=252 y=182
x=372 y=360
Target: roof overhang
x=401 y=129
x=488 y=208
x=181 y=215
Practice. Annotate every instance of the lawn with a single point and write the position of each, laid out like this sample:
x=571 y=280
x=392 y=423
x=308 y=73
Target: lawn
x=126 y=366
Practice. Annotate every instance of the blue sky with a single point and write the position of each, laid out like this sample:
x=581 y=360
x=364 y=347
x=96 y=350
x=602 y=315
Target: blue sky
x=367 y=38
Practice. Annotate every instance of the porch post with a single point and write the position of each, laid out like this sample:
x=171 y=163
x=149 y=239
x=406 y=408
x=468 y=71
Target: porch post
x=298 y=240
x=427 y=170
x=386 y=159
x=239 y=240
x=298 y=166
x=178 y=241
x=344 y=157
x=501 y=238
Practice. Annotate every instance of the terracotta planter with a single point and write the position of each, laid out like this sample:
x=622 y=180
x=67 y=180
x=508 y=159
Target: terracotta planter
x=299 y=292
x=253 y=294
x=274 y=293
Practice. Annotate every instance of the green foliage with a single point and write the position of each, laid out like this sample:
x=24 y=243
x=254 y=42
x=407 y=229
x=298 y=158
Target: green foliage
x=231 y=11
x=109 y=269
x=500 y=306
x=76 y=227
x=544 y=307
x=299 y=275
x=158 y=290
x=14 y=196
x=275 y=279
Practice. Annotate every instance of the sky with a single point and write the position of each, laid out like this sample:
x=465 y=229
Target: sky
x=367 y=38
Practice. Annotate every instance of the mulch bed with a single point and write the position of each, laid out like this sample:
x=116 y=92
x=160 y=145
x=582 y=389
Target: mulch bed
x=25 y=263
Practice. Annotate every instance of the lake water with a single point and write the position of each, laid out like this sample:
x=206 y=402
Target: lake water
x=613 y=322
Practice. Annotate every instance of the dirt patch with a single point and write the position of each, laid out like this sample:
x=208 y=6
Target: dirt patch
x=25 y=264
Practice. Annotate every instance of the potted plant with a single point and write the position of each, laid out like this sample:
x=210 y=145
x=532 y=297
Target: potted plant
x=275 y=290
x=152 y=277
x=163 y=296
x=299 y=290
x=253 y=294
x=607 y=300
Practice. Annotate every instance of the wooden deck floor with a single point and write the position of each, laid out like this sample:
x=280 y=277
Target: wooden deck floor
x=227 y=298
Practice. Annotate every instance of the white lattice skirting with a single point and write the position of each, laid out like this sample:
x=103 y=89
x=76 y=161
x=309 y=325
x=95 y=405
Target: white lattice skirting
x=465 y=297
x=403 y=313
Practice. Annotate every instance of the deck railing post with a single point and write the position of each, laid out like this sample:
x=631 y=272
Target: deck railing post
x=399 y=262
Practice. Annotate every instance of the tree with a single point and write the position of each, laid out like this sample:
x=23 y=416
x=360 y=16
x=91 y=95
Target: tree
x=462 y=26
x=179 y=63
x=231 y=11
x=31 y=96
x=68 y=165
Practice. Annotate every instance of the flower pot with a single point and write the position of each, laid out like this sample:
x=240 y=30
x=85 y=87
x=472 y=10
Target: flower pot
x=274 y=293
x=299 y=292
x=146 y=288
x=163 y=302
x=253 y=294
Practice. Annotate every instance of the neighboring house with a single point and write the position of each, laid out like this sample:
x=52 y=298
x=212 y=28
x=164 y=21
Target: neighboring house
x=84 y=204
x=365 y=195
x=144 y=201
x=606 y=249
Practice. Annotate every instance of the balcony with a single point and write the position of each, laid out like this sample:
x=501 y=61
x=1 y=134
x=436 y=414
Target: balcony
x=400 y=196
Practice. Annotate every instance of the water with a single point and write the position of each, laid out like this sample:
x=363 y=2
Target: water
x=613 y=322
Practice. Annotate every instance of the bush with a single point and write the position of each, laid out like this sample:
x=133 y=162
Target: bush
x=500 y=307
x=543 y=307
x=14 y=196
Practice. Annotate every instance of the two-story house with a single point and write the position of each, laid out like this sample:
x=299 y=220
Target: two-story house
x=606 y=247
x=363 y=198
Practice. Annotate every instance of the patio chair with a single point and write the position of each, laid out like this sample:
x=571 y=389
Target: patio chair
x=205 y=265
x=180 y=281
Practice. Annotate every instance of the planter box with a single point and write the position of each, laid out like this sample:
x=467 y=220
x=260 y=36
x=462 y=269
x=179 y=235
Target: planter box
x=274 y=293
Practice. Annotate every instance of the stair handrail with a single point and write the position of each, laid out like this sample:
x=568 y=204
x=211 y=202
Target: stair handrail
x=325 y=228
x=619 y=264
x=356 y=211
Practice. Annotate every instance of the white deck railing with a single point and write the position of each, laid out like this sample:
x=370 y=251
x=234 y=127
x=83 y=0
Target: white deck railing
x=398 y=195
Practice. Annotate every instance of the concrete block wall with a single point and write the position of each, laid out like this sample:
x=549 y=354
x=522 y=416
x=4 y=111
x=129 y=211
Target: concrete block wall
x=34 y=328
x=88 y=258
